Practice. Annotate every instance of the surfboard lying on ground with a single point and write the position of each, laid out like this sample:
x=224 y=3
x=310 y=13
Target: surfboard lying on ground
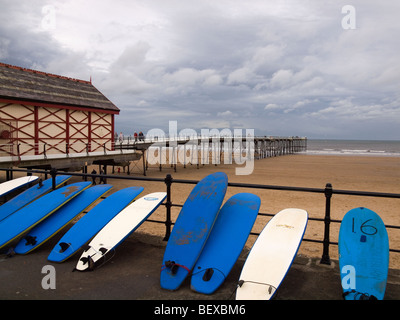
x=191 y=229
x=14 y=184
x=30 y=195
x=92 y=222
x=272 y=255
x=119 y=228
x=59 y=219
x=21 y=221
x=225 y=243
x=363 y=255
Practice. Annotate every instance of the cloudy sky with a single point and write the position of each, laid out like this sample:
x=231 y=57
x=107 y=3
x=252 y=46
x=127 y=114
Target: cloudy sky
x=308 y=68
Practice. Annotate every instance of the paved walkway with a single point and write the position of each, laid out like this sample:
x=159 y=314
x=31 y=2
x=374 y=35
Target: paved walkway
x=133 y=273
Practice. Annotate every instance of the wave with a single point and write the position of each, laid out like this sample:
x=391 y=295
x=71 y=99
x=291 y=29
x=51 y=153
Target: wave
x=352 y=152
x=354 y=147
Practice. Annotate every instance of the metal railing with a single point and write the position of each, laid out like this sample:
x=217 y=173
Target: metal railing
x=327 y=192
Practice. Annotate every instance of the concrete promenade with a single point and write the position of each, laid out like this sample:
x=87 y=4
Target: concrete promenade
x=133 y=274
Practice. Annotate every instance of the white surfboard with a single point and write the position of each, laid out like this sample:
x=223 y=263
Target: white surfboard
x=272 y=255
x=120 y=227
x=14 y=184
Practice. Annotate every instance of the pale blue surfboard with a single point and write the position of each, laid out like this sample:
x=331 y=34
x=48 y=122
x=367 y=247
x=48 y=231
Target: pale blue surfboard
x=59 y=219
x=363 y=255
x=192 y=229
x=92 y=222
x=29 y=216
x=30 y=195
x=225 y=243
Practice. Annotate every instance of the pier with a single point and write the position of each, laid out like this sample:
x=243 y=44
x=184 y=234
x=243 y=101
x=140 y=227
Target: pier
x=278 y=146
x=200 y=150
x=166 y=151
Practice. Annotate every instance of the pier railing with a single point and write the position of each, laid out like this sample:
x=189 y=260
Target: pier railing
x=327 y=192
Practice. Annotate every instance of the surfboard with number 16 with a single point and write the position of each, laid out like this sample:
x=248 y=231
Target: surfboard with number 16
x=363 y=255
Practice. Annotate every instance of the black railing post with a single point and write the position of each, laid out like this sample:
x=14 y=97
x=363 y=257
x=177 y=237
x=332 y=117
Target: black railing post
x=327 y=220
x=53 y=173
x=168 y=204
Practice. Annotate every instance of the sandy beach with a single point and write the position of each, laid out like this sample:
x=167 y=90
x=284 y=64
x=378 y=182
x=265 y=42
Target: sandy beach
x=360 y=173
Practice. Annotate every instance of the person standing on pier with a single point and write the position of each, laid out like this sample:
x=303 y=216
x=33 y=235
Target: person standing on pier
x=94 y=178
x=141 y=136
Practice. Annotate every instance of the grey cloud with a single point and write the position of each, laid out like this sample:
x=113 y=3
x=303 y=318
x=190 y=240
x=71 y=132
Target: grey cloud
x=278 y=67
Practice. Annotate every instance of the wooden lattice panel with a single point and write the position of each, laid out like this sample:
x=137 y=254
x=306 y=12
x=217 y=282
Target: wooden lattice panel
x=101 y=131
x=78 y=130
x=18 y=128
x=52 y=132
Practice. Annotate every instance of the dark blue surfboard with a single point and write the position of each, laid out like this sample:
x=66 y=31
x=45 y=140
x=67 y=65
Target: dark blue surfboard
x=59 y=219
x=192 y=229
x=92 y=222
x=225 y=243
x=29 y=216
x=30 y=195
x=363 y=255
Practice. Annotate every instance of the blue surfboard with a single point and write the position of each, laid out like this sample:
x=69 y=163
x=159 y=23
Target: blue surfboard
x=59 y=219
x=363 y=255
x=225 y=243
x=192 y=229
x=29 y=216
x=92 y=222
x=30 y=195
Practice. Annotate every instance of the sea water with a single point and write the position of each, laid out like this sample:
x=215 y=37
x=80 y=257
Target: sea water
x=354 y=147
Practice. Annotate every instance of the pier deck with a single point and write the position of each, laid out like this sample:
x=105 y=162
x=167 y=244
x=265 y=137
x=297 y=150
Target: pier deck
x=165 y=151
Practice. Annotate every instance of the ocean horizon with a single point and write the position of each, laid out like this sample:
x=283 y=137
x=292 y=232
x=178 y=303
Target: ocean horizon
x=390 y=148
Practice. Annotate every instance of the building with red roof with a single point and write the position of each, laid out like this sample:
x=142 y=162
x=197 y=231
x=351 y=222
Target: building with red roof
x=43 y=113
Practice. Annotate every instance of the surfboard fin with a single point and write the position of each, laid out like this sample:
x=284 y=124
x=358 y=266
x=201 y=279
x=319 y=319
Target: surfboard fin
x=172 y=266
x=208 y=274
x=64 y=246
x=89 y=261
x=359 y=295
x=30 y=240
